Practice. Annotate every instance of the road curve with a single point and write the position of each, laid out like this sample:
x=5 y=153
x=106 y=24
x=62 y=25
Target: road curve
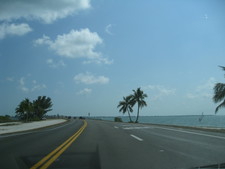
x=109 y=145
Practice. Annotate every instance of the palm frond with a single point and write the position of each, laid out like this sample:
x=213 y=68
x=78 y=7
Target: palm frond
x=142 y=104
x=122 y=110
x=120 y=104
x=130 y=109
x=145 y=95
x=125 y=105
x=219 y=92
x=138 y=97
x=222 y=67
x=220 y=106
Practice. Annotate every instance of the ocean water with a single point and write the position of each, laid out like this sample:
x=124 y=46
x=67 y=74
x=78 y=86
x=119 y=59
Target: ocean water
x=213 y=121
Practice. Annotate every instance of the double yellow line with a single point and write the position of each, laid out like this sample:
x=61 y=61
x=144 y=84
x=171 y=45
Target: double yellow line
x=51 y=157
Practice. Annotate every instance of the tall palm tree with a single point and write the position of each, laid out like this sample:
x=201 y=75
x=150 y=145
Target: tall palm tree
x=41 y=106
x=138 y=97
x=126 y=106
x=219 y=94
x=24 y=110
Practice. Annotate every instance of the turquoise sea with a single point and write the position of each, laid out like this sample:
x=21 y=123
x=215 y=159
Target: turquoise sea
x=213 y=121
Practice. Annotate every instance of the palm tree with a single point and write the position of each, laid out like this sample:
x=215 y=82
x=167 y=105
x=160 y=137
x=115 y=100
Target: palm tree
x=24 y=110
x=27 y=110
x=126 y=106
x=138 y=97
x=41 y=106
x=219 y=94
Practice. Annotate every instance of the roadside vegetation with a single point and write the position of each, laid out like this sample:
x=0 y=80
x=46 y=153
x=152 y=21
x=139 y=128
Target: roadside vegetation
x=219 y=94
x=128 y=102
x=126 y=106
x=5 y=118
x=118 y=119
x=31 y=111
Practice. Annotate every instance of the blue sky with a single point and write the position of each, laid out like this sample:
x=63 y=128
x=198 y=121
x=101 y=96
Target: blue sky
x=86 y=55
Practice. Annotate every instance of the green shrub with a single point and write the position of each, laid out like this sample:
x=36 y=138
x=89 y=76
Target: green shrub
x=5 y=118
x=118 y=119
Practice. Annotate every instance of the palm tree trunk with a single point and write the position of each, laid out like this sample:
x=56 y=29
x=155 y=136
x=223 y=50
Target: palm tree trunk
x=137 y=115
x=26 y=117
x=129 y=116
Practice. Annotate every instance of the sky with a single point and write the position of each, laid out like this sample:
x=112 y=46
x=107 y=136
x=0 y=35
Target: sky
x=87 y=54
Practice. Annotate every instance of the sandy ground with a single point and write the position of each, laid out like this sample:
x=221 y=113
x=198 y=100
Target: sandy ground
x=13 y=127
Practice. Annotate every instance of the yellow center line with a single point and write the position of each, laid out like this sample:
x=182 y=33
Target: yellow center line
x=59 y=150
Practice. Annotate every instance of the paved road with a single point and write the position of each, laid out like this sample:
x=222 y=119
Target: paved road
x=108 y=145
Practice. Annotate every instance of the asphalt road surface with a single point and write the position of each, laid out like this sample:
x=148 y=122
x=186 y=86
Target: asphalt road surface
x=109 y=145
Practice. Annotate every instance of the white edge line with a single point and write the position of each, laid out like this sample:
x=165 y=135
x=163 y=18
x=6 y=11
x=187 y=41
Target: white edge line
x=191 y=132
x=137 y=138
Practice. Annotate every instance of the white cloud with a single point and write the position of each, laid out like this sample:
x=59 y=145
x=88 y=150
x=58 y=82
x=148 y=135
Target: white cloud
x=24 y=89
x=14 y=29
x=10 y=79
x=44 y=40
x=208 y=85
x=88 y=78
x=33 y=86
x=21 y=81
x=158 y=91
x=46 y=11
x=191 y=96
x=54 y=64
x=204 y=90
x=85 y=91
x=76 y=44
x=99 y=60
x=38 y=87
x=22 y=85
x=108 y=29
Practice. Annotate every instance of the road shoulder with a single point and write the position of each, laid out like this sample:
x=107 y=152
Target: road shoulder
x=9 y=128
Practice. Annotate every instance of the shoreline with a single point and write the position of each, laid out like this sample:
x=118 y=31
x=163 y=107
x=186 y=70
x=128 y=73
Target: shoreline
x=213 y=122
x=201 y=128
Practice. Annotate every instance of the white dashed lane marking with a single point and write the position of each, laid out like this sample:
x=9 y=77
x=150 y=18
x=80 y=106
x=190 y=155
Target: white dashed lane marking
x=136 y=128
x=137 y=138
